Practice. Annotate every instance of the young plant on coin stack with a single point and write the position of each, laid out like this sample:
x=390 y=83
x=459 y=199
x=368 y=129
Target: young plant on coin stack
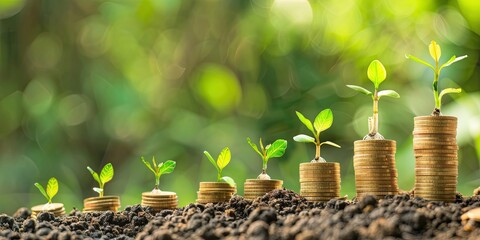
x=434 y=140
x=101 y=203
x=319 y=180
x=374 y=157
x=263 y=184
x=224 y=188
x=49 y=192
x=157 y=199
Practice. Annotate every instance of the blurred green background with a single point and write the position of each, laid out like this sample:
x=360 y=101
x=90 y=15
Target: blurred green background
x=84 y=83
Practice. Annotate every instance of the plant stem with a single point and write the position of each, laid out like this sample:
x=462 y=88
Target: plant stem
x=101 y=187
x=219 y=176
x=374 y=124
x=436 y=74
x=317 y=146
x=157 y=182
x=264 y=167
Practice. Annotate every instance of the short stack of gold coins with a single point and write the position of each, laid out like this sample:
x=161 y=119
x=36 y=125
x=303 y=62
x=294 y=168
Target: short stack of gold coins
x=159 y=200
x=106 y=203
x=374 y=165
x=320 y=182
x=56 y=208
x=436 y=159
x=254 y=188
x=214 y=192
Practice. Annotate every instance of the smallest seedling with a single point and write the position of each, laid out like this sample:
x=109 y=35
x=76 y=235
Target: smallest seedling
x=222 y=161
x=51 y=189
x=158 y=170
x=276 y=149
x=105 y=176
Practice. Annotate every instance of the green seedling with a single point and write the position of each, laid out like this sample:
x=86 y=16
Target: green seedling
x=105 y=176
x=51 y=189
x=222 y=161
x=435 y=53
x=322 y=122
x=158 y=170
x=276 y=149
x=377 y=74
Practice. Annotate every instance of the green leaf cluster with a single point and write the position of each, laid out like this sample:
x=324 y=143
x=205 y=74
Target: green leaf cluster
x=51 y=189
x=160 y=169
x=222 y=161
x=376 y=74
x=105 y=176
x=276 y=149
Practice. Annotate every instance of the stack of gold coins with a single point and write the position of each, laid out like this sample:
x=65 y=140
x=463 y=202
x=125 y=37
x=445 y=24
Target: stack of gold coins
x=375 y=171
x=159 y=200
x=213 y=192
x=320 y=182
x=436 y=159
x=56 y=208
x=106 y=203
x=254 y=188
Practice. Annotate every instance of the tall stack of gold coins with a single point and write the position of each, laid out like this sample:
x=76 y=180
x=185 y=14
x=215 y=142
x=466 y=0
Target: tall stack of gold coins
x=213 y=192
x=436 y=159
x=106 y=203
x=56 y=208
x=320 y=182
x=254 y=188
x=159 y=200
x=375 y=171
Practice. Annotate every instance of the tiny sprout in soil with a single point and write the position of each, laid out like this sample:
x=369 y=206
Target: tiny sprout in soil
x=377 y=74
x=51 y=189
x=158 y=170
x=322 y=122
x=276 y=149
x=222 y=161
x=105 y=176
x=435 y=53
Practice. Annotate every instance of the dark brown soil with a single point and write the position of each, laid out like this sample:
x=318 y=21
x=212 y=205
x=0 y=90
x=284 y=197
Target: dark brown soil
x=281 y=214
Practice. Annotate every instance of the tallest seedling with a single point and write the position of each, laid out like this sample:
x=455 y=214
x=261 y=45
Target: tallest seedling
x=377 y=74
x=435 y=53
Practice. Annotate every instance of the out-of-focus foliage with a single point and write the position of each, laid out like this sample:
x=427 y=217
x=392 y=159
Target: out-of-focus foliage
x=90 y=82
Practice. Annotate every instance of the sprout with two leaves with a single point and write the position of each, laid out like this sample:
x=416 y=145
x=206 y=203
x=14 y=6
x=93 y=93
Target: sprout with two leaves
x=105 y=176
x=377 y=74
x=222 y=161
x=159 y=170
x=50 y=191
x=276 y=149
x=323 y=121
x=435 y=53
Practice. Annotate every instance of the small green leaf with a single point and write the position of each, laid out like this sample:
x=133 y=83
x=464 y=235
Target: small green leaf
x=228 y=180
x=388 y=93
x=168 y=167
x=453 y=60
x=52 y=188
x=304 y=138
x=154 y=162
x=210 y=158
x=376 y=73
x=305 y=121
x=331 y=144
x=435 y=51
x=148 y=165
x=254 y=146
x=360 y=89
x=107 y=173
x=324 y=120
x=449 y=91
x=419 y=61
x=224 y=158
x=42 y=190
x=277 y=149
x=94 y=175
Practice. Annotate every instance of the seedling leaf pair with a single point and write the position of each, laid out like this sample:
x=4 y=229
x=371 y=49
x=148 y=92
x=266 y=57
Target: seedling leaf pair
x=322 y=122
x=223 y=160
x=105 y=176
x=51 y=189
x=160 y=169
x=274 y=150
x=435 y=52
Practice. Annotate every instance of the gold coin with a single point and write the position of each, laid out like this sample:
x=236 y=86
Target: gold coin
x=370 y=181
x=374 y=143
x=48 y=207
x=214 y=185
x=272 y=181
x=320 y=194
